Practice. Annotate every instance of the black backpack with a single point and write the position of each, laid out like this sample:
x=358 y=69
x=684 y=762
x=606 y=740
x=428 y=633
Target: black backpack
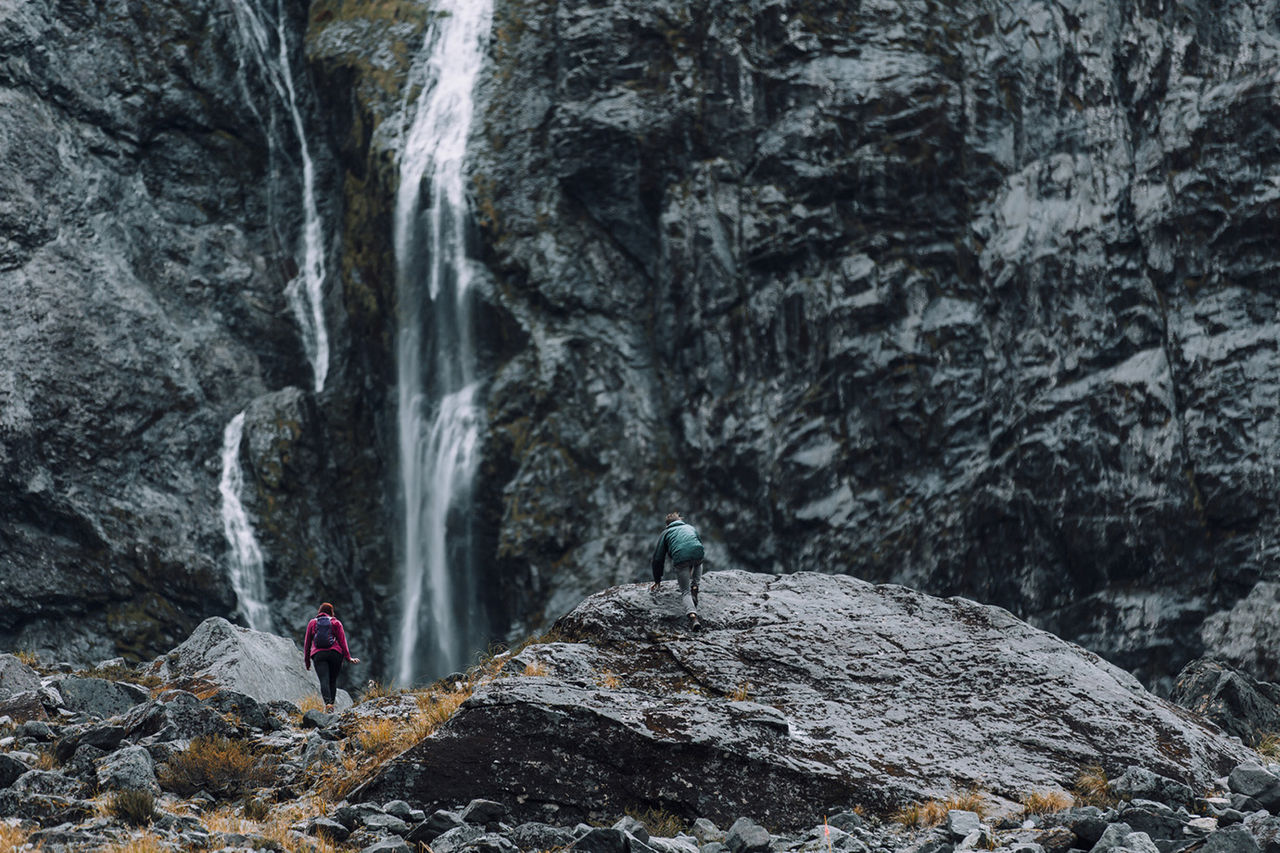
x=324 y=638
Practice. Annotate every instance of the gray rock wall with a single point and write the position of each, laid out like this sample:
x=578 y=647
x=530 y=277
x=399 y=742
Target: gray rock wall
x=148 y=224
x=972 y=297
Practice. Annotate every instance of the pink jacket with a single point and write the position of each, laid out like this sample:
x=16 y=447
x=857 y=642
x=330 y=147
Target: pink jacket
x=339 y=637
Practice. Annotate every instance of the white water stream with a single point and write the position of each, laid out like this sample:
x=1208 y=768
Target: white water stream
x=305 y=292
x=439 y=416
x=247 y=578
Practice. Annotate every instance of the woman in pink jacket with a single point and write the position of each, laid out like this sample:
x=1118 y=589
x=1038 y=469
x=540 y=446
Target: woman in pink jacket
x=325 y=643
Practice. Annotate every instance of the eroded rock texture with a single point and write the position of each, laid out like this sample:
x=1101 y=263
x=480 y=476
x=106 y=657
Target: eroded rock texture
x=150 y=186
x=802 y=692
x=969 y=296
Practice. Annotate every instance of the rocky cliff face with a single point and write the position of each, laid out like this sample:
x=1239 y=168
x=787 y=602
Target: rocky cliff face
x=150 y=214
x=971 y=297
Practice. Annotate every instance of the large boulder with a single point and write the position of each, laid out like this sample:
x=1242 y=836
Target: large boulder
x=804 y=691
x=16 y=676
x=1238 y=703
x=99 y=697
x=220 y=655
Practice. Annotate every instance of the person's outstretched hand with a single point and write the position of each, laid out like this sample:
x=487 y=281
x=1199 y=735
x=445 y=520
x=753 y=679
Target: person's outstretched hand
x=354 y=660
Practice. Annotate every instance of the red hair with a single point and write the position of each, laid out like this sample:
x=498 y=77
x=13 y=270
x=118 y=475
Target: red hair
x=326 y=608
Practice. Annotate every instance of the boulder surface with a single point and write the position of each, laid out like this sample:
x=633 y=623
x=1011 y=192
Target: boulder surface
x=802 y=692
x=262 y=666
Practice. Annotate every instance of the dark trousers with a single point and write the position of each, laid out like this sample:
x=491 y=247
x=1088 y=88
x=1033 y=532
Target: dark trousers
x=328 y=664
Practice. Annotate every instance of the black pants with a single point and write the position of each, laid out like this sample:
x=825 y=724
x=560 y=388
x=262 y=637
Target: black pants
x=328 y=664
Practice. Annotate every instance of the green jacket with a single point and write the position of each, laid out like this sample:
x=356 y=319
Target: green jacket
x=681 y=542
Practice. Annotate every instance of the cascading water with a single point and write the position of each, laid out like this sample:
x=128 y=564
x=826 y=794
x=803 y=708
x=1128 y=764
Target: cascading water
x=247 y=578
x=439 y=415
x=305 y=292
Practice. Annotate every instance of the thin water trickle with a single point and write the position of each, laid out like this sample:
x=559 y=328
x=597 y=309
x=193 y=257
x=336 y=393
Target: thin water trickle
x=245 y=557
x=439 y=413
x=305 y=293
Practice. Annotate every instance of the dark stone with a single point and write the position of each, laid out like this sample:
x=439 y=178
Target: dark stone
x=10 y=769
x=249 y=711
x=1257 y=783
x=600 y=840
x=540 y=836
x=482 y=812
x=1233 y=839
x=314 y=719
x=103 y=737
x=327 y=828
x=1238 y=703
x=436 y=824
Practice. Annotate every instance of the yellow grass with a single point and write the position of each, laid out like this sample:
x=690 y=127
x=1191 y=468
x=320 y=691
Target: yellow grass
x=742 y=692
x=1269 y=746
x=1046 y=802
x=12 y=837
x=311 y=703
x=609 y=680
x=934 y=812
x=535 y=668
x=377 y=737
x=222 y=766
x=1091 y=788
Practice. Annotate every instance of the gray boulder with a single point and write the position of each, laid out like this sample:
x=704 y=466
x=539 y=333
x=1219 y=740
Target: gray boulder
x=16 y=676
x=174 y=715
x=747 y=836
x=1232 y=839
x=128 y=769
x=99 y=697
x=1256 y=782
x=48 y=783
x=10 y=769
x=812 y=648
x=262 y=666
x=1140 y=783
x=1238 y=703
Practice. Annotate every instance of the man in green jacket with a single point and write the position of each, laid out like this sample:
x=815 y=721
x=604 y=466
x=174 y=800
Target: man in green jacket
x=681 y=542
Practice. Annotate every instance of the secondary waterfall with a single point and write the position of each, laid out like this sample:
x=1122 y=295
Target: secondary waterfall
x=247 y=578
x=305 y=292
x=439 y=415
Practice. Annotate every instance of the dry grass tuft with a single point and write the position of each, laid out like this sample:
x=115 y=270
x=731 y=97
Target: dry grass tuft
x=311 y=703
x=1092 y=787
x=1269 y=746
x=934 y=812
x=660 y=822
x=12 y=837
x=46 y=759
x=609 y=680
x=28 y=657
x=1046 y=802
x=217 y=764
x=136 y=808
x=741 y=693
x=535 y=668
x=377 y=737
x=376 y=690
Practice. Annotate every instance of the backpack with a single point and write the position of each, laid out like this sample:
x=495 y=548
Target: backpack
x=324 y=636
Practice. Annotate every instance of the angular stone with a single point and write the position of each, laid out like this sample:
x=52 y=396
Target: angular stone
x=47 y=783
x=482 y=812
x=706 y=831
x=385 y=823
x=961 y=823
x=632 y=827
x=747 y=836
x=262 y=666
x=388 y=845
x=456 y=839
x=541 y=836
x=601 y=840
x=16 y=677
x=128 y=769
x=10 y=769
x=99 y=697
x=1232 y=839
x=328 y=828
x=1140 y=783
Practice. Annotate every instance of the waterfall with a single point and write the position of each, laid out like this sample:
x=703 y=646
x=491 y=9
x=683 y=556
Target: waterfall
x=247 y=578
x=305 y=292
x=439 y=414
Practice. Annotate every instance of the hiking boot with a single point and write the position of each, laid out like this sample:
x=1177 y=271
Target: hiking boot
x=694 y=624
x=694 y=589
